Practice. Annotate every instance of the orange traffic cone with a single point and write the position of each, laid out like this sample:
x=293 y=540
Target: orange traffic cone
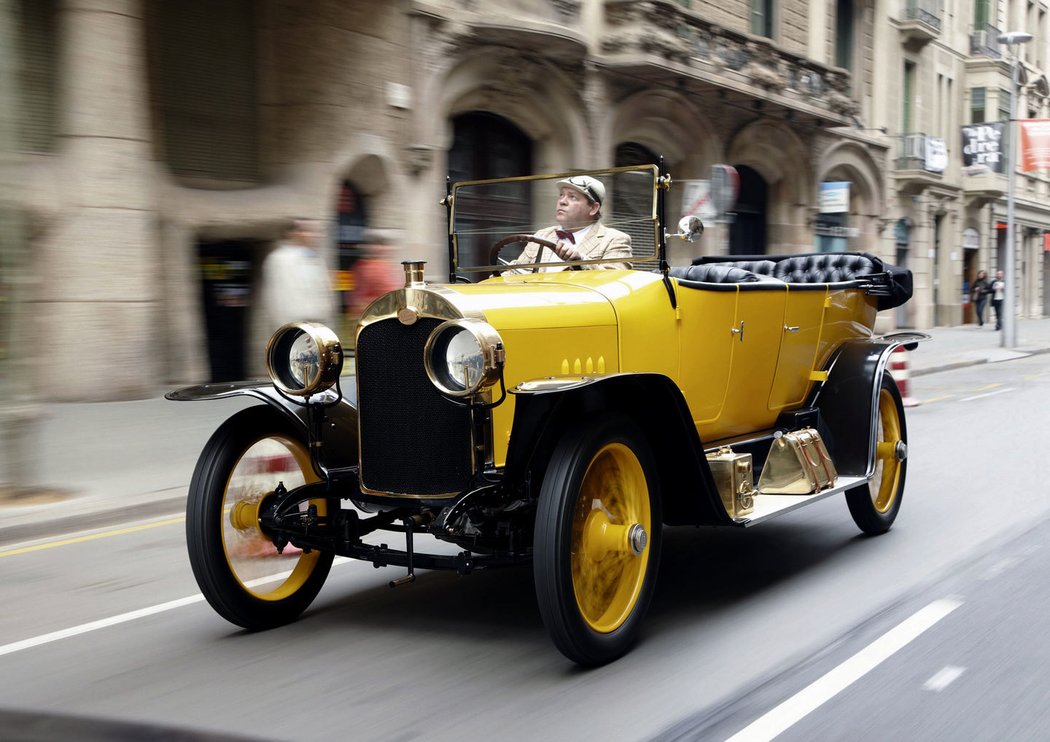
x=899 y=367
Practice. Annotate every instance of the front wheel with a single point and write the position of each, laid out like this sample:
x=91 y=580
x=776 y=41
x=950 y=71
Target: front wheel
x=598 y=534
x=874 y=506
x=238 y=567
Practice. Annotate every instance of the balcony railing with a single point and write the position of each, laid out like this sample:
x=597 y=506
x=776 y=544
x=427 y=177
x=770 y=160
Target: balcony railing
x=924 y=11
x=919 y=151
x=661 y=31
x=984 y=42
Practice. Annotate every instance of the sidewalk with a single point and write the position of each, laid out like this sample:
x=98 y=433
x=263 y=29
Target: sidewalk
x=102 y=463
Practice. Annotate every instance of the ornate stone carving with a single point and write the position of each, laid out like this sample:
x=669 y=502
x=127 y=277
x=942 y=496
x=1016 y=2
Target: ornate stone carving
x=568 y=10
x=668 y=31
x=763 y=76
x=418 y=157
x=841 y=103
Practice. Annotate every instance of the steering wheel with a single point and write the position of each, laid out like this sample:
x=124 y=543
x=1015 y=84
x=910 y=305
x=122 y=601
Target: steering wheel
x=510 y=240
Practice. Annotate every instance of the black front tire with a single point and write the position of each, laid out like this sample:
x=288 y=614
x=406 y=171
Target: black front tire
x=598 y=536
x=236 y=565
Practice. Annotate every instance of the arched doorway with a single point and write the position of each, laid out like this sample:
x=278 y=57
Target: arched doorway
x=484 y=146
x=747 y=233
x=632 y=201
x=351 y=220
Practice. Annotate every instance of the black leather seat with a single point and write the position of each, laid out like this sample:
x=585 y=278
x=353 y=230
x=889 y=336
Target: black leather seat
x=823 y=268
x=714 y=273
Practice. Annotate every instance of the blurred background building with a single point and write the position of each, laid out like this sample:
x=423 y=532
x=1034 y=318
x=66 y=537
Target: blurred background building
x=162 y=146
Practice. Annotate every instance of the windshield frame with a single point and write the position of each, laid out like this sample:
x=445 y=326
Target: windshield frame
x=660 y=183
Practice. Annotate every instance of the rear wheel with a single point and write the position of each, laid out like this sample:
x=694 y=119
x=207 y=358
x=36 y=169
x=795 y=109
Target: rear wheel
x=874 y=506
x=237 y=566
x=598 y=533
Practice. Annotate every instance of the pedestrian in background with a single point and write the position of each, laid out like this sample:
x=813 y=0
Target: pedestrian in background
x=998 y=290
x=979 y=295
x=376 y=273
x=295 y=283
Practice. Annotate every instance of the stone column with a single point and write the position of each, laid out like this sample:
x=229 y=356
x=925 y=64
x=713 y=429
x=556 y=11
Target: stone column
x=98 y=295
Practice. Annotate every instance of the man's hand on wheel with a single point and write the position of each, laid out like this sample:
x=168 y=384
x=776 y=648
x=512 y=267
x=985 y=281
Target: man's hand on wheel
x=567 y=252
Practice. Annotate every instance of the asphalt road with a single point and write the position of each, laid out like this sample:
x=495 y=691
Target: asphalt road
x=110 y=624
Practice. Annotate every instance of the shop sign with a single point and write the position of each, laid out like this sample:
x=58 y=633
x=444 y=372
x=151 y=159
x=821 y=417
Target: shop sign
x=834 y=197
x=831 y=230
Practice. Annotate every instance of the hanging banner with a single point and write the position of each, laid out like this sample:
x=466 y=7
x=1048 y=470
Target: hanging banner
x=1035 y=144
x=982 y=148
x=936 y=155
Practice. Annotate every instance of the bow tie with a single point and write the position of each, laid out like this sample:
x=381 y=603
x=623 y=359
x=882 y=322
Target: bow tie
x=563 y=235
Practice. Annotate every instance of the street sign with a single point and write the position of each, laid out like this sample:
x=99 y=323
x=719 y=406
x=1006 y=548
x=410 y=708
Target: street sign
x=725 y=184
x=696 y=200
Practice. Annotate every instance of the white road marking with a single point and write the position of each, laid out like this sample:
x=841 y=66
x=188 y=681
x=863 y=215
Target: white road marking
x=794 y=709
x=988 y=394
x=943 y=678
x=152 y=610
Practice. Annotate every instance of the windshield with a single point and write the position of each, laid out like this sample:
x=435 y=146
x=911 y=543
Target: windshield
x=485 y=213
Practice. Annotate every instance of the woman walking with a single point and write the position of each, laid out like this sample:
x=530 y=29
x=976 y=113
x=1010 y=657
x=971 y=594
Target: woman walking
x=979 y=295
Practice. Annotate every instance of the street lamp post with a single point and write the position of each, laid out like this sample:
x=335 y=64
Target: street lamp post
x=1009 y=336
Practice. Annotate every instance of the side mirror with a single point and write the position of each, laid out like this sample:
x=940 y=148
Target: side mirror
x=689 y=228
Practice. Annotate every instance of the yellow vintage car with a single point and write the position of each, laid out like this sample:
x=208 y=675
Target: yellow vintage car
x=551 y=405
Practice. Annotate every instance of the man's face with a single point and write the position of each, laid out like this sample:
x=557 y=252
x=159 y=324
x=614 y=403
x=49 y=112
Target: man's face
x=999 y=275
x=574 y=210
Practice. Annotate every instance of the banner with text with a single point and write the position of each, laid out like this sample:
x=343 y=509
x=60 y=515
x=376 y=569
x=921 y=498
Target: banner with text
x=1035 y=144
x=982 y=148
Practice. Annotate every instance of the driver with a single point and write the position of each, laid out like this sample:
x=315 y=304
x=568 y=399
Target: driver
x=580 y=234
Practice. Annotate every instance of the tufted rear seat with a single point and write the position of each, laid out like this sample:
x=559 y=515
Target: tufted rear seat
x=824 y=268
x=892 y=285
x=809 y=268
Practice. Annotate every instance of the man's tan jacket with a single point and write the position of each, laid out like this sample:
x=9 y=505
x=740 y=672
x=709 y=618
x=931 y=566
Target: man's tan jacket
x=600 y=242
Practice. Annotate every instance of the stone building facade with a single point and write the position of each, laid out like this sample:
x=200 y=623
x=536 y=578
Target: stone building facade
x=165 y=144
x=945 y=71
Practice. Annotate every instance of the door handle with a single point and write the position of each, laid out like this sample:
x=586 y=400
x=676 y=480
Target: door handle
x=739 y=332
x=790 y=328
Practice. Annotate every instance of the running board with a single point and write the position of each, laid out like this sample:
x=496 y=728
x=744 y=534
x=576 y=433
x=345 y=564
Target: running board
x=770 y=506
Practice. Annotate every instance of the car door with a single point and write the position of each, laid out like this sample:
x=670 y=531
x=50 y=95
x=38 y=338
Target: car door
x=756 y=336
x=801 y=336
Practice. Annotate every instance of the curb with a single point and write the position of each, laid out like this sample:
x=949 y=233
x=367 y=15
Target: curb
x=86 y=521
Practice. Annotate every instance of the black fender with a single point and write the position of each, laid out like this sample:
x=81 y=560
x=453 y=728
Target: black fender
x=849 y=398
x=544 y=409
x=339 y=429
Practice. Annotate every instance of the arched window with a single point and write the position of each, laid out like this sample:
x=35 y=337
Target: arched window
x=488 y=146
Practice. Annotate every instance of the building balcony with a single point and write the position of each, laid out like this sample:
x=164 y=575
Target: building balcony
x=920 y=21
x=983 y=187
x=664 y=43
x=556 y=26
x=984 y=42
x=920 y=161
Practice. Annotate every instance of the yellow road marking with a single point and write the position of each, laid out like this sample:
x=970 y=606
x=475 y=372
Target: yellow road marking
x=938 y=399
x=984 y=388
x=91 y=537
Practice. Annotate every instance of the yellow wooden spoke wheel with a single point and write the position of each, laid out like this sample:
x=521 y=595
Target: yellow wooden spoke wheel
x=238 y=567
x=597 y=539
x=610 y=531
x=874 y=506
